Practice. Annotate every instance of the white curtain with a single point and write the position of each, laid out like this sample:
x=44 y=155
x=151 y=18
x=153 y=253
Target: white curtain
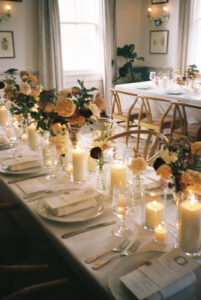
x=50 y=56
x=194 y=53
x=184 y=30
x=109 y=44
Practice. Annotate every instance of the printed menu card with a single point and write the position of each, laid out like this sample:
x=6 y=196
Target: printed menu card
x=165 y=275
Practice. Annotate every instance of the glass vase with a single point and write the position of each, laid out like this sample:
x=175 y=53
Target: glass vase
x=138 y=188
x=101 y=179
x=49 y=155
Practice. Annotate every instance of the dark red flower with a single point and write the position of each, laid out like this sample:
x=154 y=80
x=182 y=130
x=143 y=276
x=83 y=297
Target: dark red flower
x=96 y=152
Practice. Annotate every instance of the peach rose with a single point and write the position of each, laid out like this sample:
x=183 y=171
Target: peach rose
x=138 y=165
x=35 y=91
x=32 y=78
x=65 y=107
x=48 y=108
x=100 y=102
x=164 y=171
x=25 y=88
x=24 y=73
x=192 y=178
x=65 y=92
x=196 y=148
x=77 y=119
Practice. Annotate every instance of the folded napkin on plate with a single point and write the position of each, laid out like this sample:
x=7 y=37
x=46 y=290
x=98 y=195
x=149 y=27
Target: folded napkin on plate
x=4 y=144
x=75 y=200
x=20 y=164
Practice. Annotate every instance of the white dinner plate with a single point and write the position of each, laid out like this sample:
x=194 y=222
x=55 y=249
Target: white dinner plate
x=130 y=263
x=81 y=216
x=22 y=172
x=174 y=92
x=123 y=267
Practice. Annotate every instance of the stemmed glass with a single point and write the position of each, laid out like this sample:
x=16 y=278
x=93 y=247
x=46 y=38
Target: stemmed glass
x=152 y=76
x=122 y=204
x=11 y=139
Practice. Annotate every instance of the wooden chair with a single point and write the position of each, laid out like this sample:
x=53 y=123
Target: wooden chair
x=24 y=270
x=127 y=116
x=191 y=131
x=155 y=121
x=149 y=142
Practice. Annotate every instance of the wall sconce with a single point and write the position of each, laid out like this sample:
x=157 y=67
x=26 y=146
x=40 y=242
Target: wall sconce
x=158 y=21
x=7 y=14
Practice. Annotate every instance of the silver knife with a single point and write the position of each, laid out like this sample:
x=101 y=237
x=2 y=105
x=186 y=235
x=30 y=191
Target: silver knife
x=27 y=177
x=85 y=229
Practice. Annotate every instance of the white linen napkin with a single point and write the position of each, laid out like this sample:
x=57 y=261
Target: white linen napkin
x=75 y=200
x=32 y=186
x=22 y=163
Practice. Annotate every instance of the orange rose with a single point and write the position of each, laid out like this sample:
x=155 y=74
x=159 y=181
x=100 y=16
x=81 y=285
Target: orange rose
x=196 y=148
x=100 y=102
x=8 y=80
x=48 y=108
x=164 y=171
x=77 y=119
x=65 y=107
x=32 y=78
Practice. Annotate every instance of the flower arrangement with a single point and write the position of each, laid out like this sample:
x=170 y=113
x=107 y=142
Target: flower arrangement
x=24 y=96
x=176 y=162
x=101 y=143
x=138 y=163
x=68 y=108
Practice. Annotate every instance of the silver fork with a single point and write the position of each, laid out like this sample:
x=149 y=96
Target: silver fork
x=117 y=249
x=130 y=251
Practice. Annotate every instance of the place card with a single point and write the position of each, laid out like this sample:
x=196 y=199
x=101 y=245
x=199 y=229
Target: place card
x=167 y=274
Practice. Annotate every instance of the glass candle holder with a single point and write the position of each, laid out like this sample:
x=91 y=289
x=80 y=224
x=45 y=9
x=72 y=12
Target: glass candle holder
x=189 y=225
x=153 y=209
x=161 y=231
x=118 y=174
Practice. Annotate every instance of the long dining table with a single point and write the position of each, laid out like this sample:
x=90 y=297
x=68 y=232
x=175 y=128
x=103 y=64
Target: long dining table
x=173 y=93
x=77 y=248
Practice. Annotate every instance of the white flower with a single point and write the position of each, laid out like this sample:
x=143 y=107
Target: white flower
x=25 y=88
x=94 y=109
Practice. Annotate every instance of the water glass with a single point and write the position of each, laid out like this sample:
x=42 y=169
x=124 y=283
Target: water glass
x=122 y=204
x=11 y=139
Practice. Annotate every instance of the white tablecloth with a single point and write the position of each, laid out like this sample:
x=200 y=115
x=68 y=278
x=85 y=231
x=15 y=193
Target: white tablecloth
x=148 y=89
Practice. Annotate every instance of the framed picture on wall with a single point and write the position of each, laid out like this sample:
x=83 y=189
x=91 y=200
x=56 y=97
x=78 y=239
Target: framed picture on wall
x=158 y=43
x=158 y=1
x=6 y=44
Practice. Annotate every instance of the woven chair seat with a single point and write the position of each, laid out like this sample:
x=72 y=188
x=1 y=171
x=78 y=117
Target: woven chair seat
x=194 y=131
x=156 y=120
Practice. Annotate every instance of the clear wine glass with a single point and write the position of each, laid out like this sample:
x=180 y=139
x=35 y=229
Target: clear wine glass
x=50 y=159
x=122 y=204
x=152 y=76
x=11 y=139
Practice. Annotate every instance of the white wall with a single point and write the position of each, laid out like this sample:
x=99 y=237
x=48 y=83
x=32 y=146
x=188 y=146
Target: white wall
x=160 y=60
x=134 y=27
x=23 y=23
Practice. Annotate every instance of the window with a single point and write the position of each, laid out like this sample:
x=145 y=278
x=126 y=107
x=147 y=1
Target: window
x=81 y=36
x=195 y=35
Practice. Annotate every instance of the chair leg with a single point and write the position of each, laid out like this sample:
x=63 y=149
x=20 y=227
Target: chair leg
x=36 y=288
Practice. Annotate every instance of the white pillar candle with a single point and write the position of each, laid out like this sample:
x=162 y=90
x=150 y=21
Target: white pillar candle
x=160 y=232
x=3 y=115
x=118 y=174
x=33 y=137
x=92 y=163
x=164 y=82
x=190 y=226
x=153 y=213
x=79 y=158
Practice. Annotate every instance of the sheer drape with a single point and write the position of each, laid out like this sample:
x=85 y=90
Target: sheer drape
x=184 y=30
x=50 y=57
x=109 y=44
x=194 y=54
